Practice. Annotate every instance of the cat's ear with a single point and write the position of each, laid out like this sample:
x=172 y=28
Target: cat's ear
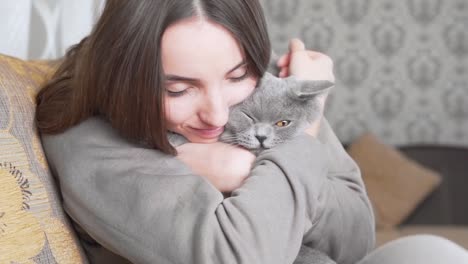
x=305 y=90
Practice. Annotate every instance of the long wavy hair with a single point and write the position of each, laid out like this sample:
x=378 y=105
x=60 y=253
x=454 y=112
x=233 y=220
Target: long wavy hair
x=116 y=71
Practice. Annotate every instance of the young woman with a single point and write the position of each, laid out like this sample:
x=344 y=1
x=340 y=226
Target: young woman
x=152 y=66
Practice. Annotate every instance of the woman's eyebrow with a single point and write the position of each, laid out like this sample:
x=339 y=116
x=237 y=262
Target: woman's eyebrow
x=242 y=63
x=176 y=78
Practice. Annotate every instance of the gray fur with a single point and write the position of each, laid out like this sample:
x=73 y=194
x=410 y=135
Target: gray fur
x=176 y=139
x=274 y=100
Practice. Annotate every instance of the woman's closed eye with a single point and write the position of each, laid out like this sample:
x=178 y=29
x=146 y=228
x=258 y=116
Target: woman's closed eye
x=176 y=94
x=176 y=91
x=239 y=74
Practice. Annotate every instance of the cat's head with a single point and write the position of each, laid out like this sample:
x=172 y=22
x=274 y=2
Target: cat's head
x=278 y=110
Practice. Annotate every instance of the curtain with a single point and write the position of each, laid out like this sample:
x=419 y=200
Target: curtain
x=45 y=29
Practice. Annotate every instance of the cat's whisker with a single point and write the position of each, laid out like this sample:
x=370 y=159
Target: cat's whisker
x=229 y=138
x=230 y=142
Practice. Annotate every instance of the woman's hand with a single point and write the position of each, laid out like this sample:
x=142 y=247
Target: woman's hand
x=225 y=166
x=307 y=65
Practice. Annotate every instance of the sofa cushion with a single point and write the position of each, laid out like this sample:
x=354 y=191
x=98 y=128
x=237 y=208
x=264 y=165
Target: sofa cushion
x=395 y=184
x=33 y=226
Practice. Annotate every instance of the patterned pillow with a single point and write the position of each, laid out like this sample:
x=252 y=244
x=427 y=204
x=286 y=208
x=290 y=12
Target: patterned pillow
x=33 y=225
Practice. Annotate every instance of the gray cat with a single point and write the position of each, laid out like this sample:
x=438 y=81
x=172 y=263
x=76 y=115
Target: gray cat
x=277 y=111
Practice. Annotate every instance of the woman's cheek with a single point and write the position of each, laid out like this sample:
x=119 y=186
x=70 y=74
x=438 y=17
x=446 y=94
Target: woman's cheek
x=244 y=90
x=177 y=111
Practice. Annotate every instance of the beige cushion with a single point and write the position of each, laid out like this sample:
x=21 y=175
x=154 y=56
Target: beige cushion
x=395 y=184
x=33 y=226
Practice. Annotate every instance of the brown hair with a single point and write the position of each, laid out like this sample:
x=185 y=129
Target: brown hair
x=116 y=71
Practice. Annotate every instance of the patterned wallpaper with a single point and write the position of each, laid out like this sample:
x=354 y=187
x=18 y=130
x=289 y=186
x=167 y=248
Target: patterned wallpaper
x=401 y=65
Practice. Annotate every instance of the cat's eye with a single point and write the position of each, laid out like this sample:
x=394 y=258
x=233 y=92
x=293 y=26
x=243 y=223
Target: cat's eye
x=283 y=123
x=248 y=116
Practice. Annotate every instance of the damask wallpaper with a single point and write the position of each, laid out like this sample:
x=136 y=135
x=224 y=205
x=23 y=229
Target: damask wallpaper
x=401 y=65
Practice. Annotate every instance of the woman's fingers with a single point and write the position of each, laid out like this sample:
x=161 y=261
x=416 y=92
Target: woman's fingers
x=305 y=64
x=283 y=61
x=296 y=45
x=284 y=72
x=315 y=54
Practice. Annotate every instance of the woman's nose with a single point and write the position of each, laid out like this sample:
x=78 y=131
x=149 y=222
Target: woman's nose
x=214 y=110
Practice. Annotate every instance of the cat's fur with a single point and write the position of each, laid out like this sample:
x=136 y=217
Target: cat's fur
x=254 y=123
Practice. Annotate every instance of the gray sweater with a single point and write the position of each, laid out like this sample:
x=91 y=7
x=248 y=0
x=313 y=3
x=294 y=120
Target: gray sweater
x=149 y=207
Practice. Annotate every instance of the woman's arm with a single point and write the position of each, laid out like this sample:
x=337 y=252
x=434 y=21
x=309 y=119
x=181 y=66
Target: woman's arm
x=151 y=208
x=223 y=165
x=344 y=221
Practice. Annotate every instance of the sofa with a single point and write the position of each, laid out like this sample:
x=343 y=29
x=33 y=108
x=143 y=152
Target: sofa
x=33 y=225
x=35 y=229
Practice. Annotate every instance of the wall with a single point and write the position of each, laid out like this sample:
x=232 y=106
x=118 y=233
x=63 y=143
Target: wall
x=401 y=65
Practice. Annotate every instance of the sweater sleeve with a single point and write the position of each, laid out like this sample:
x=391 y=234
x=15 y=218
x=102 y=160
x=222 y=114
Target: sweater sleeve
x=343 y=223
x=150 y=208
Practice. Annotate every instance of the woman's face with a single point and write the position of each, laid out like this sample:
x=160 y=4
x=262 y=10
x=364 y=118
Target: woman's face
x=206 y=73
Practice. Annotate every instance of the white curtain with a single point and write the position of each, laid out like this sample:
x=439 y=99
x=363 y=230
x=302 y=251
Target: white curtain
x=14 y=27
x=45 y=29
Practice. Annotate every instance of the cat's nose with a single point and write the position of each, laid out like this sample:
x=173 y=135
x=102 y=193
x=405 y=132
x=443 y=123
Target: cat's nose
x=260 y=138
